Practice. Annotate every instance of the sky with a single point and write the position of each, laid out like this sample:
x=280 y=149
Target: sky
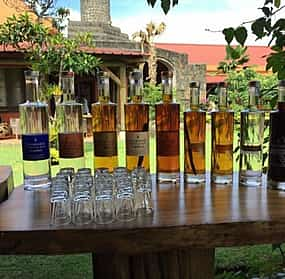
x=185 y=23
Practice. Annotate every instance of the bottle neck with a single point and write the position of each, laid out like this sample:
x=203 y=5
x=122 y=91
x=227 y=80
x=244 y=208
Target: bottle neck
x=194 y=98
x=68 y=97
x=253 y=98
x=281 y=98
x=32 y=90
x=136 y=93
x=67 y=86
x=222 y=99
x=167 y=95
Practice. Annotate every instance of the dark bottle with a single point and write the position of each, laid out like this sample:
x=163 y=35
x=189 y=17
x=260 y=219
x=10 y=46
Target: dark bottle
x=276 y=168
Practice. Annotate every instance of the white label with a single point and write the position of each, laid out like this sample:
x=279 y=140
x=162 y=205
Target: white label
x=137 y=143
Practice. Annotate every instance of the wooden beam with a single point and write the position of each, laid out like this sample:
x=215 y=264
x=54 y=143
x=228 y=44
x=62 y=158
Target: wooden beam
x=112 y=75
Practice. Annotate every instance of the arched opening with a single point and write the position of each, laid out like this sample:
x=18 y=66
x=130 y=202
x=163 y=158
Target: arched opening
x=162 y=66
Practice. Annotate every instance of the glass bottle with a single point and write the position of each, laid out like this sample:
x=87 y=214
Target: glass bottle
x=104 y=122
x=167 y=133
x=276 y=168
x=194 y=138
x=137 y=125
x=251 y=139
x=222 y=139
x=35 y=139
x=70 y=125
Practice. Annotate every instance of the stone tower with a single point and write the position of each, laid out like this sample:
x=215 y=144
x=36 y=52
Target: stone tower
x=95 y=11
x=96 y=19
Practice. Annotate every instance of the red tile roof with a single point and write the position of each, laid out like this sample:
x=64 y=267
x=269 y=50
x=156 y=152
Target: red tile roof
x=91 y=50
x=213 y=54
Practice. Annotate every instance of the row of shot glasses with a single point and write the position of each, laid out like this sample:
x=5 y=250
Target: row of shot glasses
x=104 y=198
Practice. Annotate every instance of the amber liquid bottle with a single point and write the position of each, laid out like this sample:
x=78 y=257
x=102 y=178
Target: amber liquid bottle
x=137 y=125
x=104 y=122
x=194 y=138
x=69 y=117
x=276 y=168
x=222 y=140
x=167 y=133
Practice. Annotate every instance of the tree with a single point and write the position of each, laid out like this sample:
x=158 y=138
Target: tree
x=235 y=58
x=47 y=51
x=165 y=4
x=147 y=38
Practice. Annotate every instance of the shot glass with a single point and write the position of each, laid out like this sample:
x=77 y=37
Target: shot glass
x=60 y=210
x=143 y=189
x=104 y=197
x=125 y=206
x=82 y=210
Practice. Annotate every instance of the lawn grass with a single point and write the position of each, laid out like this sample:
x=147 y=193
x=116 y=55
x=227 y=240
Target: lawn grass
x=10 y=154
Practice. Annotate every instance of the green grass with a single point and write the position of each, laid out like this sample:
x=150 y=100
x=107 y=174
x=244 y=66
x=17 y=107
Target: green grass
x=11 y=155
x=231 y=263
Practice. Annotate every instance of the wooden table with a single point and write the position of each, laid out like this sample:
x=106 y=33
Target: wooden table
x=178 y=241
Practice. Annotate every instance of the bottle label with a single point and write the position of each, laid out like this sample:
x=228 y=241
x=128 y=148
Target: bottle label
x=35 y=147
x=277 y=156
x=105 y=144
x=70 y=145
x=167 y=143
x=137 y=143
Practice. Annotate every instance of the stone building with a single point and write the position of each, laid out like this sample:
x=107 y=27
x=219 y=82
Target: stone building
x=96 y=19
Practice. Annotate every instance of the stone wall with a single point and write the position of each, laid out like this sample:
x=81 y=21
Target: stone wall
x=183 y=72
x=95 y=11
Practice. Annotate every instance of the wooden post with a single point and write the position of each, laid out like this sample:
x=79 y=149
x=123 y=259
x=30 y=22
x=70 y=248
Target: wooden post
x=175 y=264
x=123 y=95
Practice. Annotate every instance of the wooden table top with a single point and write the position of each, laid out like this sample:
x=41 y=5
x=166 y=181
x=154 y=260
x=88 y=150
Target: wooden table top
x=184 y=216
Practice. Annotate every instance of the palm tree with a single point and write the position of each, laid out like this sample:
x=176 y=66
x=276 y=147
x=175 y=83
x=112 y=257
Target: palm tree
x=147 y=38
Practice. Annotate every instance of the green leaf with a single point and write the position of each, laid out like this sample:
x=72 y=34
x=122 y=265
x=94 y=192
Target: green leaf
x=258 y=26
x=267 y=12
x=151 y=2
x=277 y=3
x=229 y=34
x=165 y=5
x=241 y=35
x=175 y=2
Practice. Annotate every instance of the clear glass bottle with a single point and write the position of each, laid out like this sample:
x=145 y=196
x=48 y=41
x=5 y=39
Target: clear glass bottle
x=222 y=139
x=104 y=122
x=251 y=139
x=194 y=138
x=276 y=168
x=70 y=125
x=35 y=139
x=137 y=125
x=167 y=133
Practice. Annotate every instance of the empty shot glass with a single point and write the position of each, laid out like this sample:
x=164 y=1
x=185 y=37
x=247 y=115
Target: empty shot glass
x=104 y=197
x=60 y=210
x=82 y=210
x=143 y=189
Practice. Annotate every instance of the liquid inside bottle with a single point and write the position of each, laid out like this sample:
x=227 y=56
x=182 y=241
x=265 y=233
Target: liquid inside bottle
x=104 y=122
x=167 y=133
x=69 y=118
x=251 y=140
x=222 y=140
x=35 y=138
x=137 y=125
x=194 y=138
